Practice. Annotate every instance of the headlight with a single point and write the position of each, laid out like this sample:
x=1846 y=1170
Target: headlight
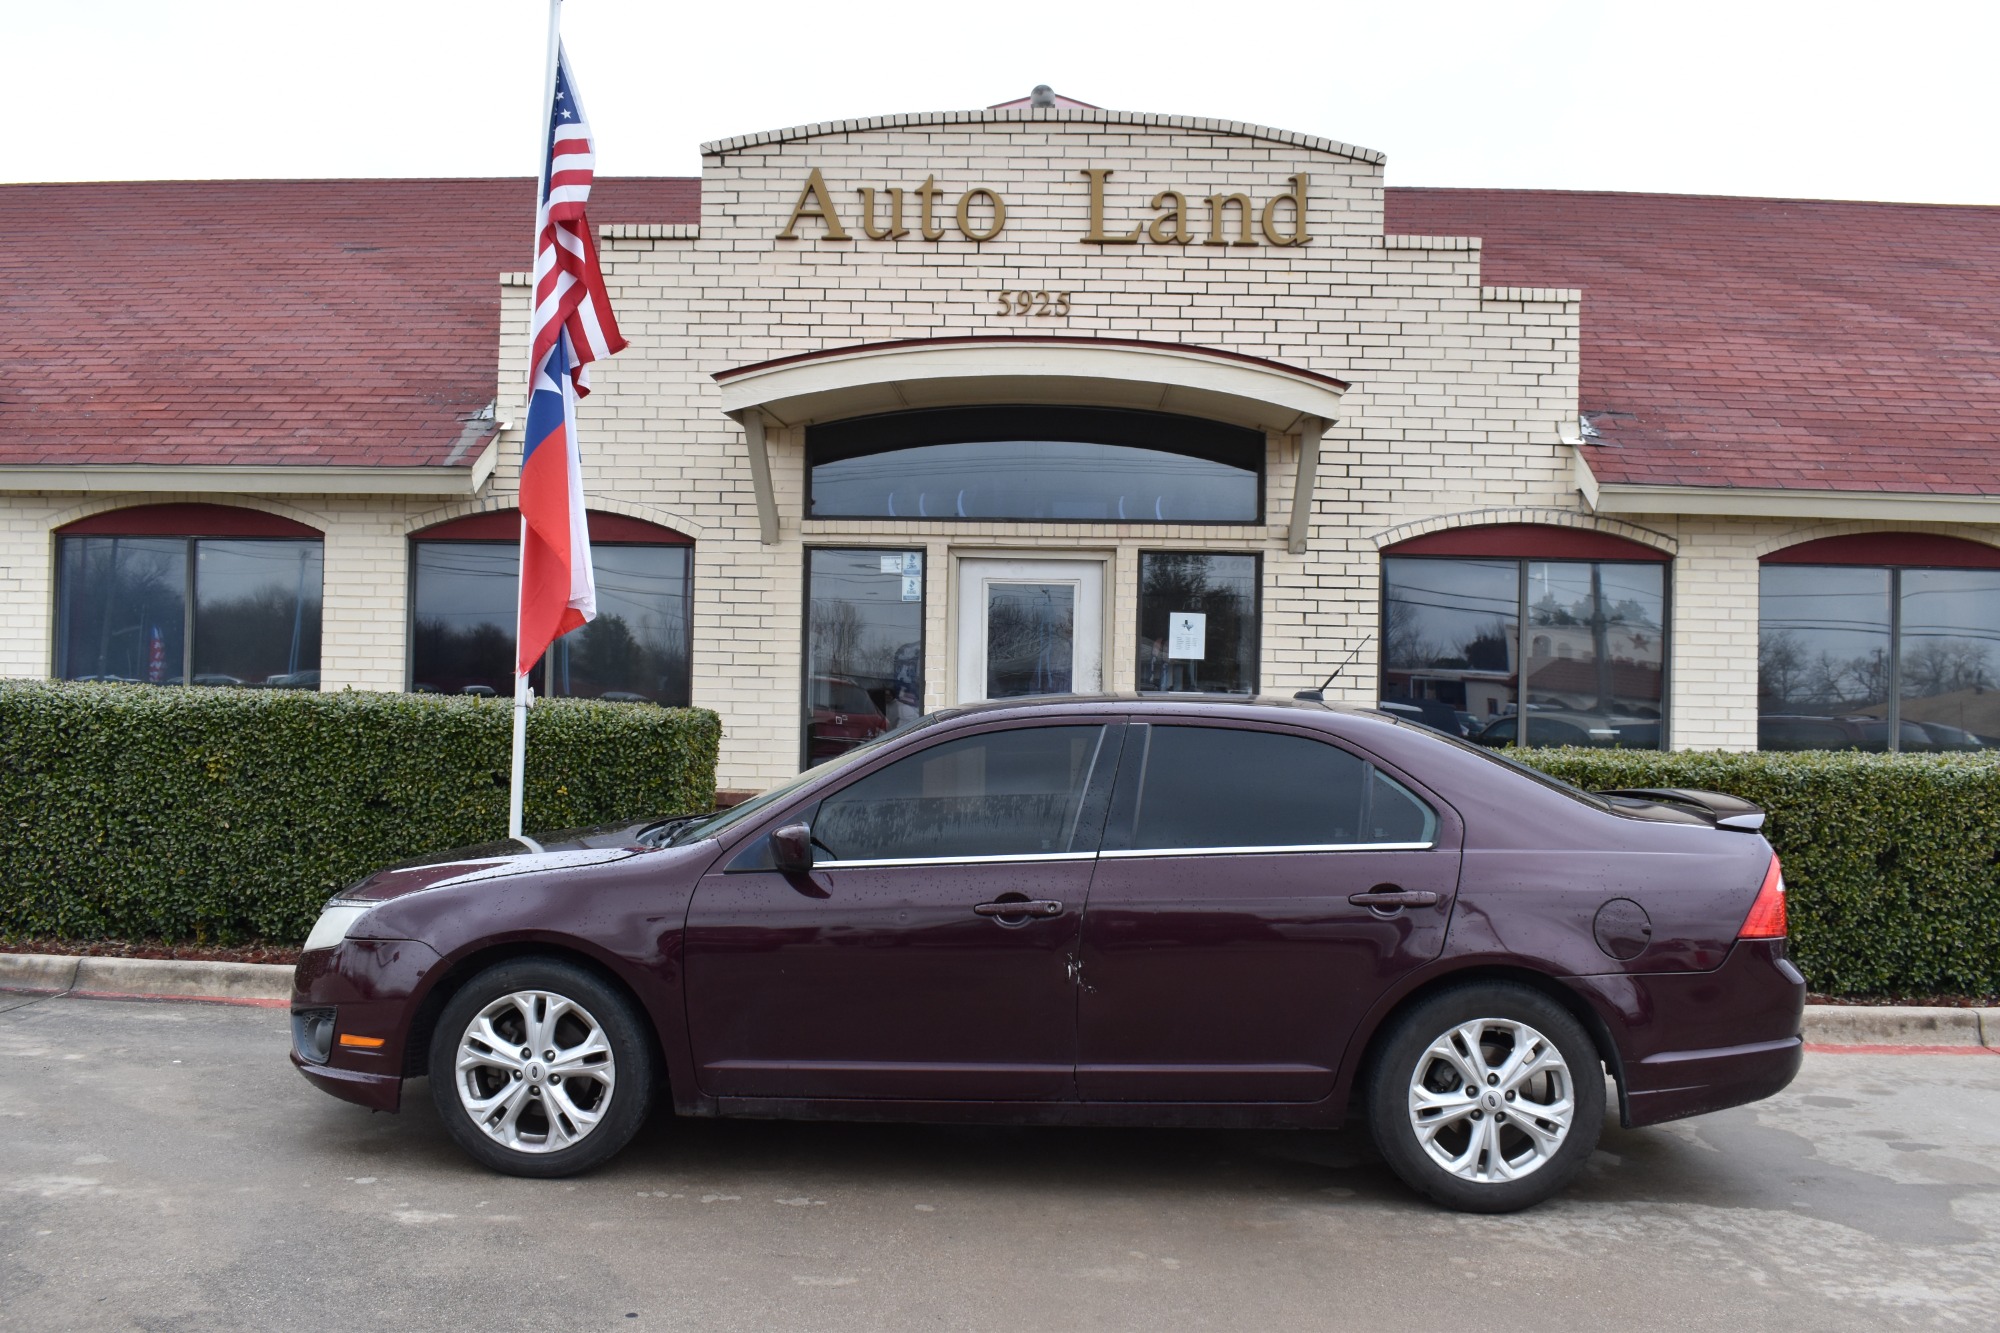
x=334 y=923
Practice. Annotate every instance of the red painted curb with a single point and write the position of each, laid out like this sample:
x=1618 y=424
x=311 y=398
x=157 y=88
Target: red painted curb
x=1821 y=1048
x=173 y=999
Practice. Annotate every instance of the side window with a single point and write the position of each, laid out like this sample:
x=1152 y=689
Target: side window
x=1209 y=787
x=1001 y=793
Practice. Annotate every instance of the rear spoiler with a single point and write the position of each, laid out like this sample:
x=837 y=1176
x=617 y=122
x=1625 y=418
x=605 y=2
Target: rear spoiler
x=1730 y=812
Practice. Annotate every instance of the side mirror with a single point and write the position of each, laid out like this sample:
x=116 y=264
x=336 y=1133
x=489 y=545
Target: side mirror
x=791 y=849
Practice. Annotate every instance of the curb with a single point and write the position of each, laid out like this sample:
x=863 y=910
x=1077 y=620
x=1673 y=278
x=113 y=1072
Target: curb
x=149 y=978
x=160 y=978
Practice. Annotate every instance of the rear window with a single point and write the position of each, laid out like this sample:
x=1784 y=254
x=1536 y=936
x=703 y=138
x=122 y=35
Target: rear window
x=1206 y=788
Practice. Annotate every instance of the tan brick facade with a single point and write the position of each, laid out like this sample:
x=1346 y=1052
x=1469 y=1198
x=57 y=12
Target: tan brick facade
x=1461 y=398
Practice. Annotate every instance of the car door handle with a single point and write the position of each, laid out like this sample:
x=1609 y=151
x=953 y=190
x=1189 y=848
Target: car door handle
x=1393 y=898
x=1021 y=907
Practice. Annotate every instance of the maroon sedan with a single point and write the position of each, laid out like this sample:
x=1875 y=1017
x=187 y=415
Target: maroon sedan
x=1091 y=912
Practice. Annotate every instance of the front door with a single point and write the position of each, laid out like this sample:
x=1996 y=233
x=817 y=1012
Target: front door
x=928 y=953
x=1030 y=627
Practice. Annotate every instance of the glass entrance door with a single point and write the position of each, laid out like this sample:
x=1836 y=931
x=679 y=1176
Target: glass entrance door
x=1029 y=627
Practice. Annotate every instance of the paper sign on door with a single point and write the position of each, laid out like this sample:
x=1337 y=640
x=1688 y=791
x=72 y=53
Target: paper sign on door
x=1187 y=635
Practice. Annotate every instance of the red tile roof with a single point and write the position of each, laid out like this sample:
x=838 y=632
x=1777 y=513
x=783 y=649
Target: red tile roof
x=309 y=322
x=1726 y=342
x=1762 y=342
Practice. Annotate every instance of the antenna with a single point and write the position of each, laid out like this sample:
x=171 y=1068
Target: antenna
x=1318 y=696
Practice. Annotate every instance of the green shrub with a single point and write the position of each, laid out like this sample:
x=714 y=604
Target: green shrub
x=205 y=814
x=1892 y=862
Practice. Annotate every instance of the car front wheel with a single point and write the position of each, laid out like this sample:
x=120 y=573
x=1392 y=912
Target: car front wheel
x=1488 y=1098
x=541 y=1068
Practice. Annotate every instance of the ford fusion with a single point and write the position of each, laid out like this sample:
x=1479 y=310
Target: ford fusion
x=1110 y=911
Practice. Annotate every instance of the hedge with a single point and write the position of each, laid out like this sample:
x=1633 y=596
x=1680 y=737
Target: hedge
x=133 y=811
x=1892 y=862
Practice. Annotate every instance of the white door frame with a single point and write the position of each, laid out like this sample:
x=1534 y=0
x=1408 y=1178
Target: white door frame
x=973 y=571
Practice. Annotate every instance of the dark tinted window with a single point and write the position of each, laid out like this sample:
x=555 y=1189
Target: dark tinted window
x=1212 y=601
x=1003 y=793
x=1077 y=464
x=463 y=606
x=216 y=611
x=864 y=647
x=1214 y=787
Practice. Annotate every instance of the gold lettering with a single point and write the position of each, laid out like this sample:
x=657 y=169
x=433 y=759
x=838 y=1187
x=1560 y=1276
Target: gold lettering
x=928 y=193
x=1297 y=194
x=1097 y=234
x=895 y=227
x=1218 y=206
x=1178 y=234
x=822 y=208
x=965 y=215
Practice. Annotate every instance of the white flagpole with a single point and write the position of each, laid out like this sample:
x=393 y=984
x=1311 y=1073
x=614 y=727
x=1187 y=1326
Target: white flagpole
x=523 y=696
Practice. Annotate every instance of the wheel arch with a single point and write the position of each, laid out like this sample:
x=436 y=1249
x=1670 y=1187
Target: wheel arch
x=462 y=969
x=1383 y=1018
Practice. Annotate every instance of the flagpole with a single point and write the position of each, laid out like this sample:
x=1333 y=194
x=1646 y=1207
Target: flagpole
x=523 y=696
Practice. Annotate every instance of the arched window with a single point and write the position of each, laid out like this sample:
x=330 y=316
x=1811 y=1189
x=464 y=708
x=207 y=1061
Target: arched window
x=1592 y=608
x=1035 y=464
x=464 y=577
x=200 y=593
x=1879 y=641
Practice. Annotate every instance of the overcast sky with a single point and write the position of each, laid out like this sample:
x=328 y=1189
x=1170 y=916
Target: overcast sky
x=1831 y=100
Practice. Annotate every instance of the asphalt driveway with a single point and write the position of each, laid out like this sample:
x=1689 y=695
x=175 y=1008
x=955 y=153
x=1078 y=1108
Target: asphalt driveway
x=162 y=1167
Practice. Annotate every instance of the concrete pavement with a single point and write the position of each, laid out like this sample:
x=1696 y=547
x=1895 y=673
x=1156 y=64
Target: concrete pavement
x=162 y=1167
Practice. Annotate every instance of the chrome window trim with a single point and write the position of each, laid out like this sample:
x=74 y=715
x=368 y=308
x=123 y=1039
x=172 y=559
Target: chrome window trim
x=1267 y=851
x=1022 y=858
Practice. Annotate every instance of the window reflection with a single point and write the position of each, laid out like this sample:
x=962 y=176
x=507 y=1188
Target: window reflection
x=1538 y=652
x=257 y=613
x=123 y=609
x=1030 y=638
x=1016 y=463
x=124 y=603
x=1219 y=589
x=463 y=608
x=1834 y=673
x=864 y=647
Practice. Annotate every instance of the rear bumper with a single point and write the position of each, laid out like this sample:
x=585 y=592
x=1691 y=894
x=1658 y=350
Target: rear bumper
x=1692 y=1042
x=1674 y=1084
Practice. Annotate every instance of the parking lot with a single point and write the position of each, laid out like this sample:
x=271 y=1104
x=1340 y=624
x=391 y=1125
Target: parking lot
x=162 y=1167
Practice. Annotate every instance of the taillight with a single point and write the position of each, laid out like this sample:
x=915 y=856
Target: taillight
x=1767 y=915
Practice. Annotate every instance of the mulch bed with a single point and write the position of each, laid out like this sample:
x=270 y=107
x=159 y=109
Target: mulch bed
x=199 y=953
x=1925 y=1001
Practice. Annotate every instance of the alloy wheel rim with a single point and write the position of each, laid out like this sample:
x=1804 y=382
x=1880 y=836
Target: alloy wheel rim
x=1491 y=1100
x=535 y=1071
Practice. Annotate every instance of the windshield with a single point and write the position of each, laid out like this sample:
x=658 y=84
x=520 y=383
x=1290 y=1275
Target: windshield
x=712 y=825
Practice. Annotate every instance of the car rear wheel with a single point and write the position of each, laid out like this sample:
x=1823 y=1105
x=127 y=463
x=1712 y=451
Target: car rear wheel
x=1488 y=1098
x=541 y=1068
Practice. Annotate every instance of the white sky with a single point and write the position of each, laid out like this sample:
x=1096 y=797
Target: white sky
x=1834 y=100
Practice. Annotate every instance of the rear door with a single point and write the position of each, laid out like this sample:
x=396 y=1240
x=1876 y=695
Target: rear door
x=928 y=953
x=1258 y=889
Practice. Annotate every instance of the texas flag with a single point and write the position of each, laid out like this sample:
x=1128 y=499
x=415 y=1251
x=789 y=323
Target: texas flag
x=572 y=326
x=558 y=589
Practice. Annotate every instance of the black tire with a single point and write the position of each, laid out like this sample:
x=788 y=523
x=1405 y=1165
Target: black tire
x=1487 y=1180
x=550 y=1129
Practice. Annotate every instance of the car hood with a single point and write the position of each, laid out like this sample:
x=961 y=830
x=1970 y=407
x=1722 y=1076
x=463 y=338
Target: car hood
x=574 y=849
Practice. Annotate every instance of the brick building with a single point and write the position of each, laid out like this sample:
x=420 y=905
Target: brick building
x=929 y=408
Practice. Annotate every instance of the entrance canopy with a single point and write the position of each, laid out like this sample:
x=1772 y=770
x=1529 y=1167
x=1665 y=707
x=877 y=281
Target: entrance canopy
x=1077 y=372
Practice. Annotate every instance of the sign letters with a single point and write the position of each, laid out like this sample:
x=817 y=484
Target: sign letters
x=980 y=214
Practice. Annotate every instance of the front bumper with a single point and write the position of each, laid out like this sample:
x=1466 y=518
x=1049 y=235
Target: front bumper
x=1693 y=1042
x=373 y=988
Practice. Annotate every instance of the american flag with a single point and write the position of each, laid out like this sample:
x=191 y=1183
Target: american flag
x=569 y=286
